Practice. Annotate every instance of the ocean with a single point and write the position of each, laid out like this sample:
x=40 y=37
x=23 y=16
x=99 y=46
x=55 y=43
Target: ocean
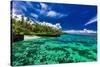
x=68 y=48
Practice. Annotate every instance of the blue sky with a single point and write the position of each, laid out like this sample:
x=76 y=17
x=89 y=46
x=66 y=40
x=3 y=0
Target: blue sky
x=70 y=16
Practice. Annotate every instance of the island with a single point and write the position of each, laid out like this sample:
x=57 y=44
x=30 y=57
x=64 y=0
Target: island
x=22 y=26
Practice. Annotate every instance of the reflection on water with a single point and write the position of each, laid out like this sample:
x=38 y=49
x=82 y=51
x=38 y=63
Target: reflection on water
x=52 y=50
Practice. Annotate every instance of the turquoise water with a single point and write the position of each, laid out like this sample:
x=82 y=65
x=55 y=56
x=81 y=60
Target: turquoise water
x=54 y=50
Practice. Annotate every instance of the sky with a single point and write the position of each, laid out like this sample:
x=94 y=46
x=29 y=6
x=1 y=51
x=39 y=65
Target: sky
x=69 y=16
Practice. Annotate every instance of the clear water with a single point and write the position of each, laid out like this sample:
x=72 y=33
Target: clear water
x=54 y=50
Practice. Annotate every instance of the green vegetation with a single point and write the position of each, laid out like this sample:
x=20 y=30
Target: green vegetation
x=22 y=27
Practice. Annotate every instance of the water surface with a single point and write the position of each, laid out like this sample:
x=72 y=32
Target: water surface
x=53 y=50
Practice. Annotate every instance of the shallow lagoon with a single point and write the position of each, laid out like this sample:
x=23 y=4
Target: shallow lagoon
x=54 y=50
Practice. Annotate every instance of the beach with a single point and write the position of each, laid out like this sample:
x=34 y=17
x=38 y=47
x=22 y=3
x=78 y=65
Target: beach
x=28 y=37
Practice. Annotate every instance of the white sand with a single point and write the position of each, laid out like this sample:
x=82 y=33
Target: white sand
x=26 y=37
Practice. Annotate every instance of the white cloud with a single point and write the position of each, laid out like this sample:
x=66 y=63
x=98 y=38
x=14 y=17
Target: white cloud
x=51 y=13
x=43 y=9
x=55 y=14
x=92 y=20
x=43 y=6
x=18 y=9
x=46 y=11
x=29 y=4
x=13 y=11
x=22 y=7
x=57 y=25
x=84 y=31
x=34 y=15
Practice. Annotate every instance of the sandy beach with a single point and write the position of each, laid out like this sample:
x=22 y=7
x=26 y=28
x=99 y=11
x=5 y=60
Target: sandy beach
x=27 y=37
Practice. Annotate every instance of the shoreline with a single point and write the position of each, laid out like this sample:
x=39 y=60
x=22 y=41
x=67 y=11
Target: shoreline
x=27 y=37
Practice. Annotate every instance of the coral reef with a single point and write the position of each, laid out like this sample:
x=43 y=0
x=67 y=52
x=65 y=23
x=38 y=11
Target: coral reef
x=55 y=50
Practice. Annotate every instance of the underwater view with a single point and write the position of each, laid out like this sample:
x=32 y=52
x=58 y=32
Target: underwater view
x=53 y=50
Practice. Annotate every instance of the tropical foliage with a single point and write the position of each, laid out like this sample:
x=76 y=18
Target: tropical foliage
x=23 y=27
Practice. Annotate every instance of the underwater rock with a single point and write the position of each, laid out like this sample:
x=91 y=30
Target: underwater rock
x=17 y=38
x=38 y=42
